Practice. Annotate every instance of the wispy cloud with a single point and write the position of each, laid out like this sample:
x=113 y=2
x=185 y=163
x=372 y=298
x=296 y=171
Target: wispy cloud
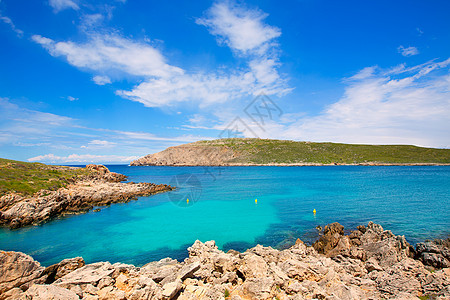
x=111 y=53
x=396 y=106
x=99 y=144
x=409 y=51
x=82 y=158
x=59 y=5
x=45 y=132
x=101 y=80
x=111 y=57
x=11 y=24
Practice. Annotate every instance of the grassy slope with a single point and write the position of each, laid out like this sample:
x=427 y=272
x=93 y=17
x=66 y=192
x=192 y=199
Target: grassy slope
x=262 y=151
x=28 y=178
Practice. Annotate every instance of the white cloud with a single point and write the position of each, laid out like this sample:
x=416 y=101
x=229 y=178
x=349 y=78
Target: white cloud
x=241 y=29
x=205 y=89
x=70 y=98
x=410 y=51
x=83 y=158
x=244 y=31
x=99 y=144
x=110 y=57
x=11 y=24
x=399 y=106
x=111 y=53
x=59 y=5
x=11 y=111
x=101 y=80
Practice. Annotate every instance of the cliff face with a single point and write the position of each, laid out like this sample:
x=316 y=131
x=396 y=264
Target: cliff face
x=189 y=155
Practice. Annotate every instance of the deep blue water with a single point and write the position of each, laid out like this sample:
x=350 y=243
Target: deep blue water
x=412 y=201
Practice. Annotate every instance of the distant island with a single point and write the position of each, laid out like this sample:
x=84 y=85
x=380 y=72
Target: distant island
x=252 y=151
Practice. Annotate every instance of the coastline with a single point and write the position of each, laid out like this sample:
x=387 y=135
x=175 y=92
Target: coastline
x=100 y=188
x=290 y=165
x=369 y=263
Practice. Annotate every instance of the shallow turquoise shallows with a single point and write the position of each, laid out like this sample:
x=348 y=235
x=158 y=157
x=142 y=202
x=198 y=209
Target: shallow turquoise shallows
x=412 y=201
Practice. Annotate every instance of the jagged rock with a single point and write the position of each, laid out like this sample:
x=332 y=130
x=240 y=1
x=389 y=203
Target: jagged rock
x=99 y=188
x=49 y=292
x=331 y=236
x=372 y=265
x=258 y=288
x=435 y=253
x=253 y=266
x=14 y=293
x=89 y=274
x=171 y=289
x=17 y=269
x=385 y=270
x=110 y=293
x=63 y=268
x=188 y=270
x=437 y=283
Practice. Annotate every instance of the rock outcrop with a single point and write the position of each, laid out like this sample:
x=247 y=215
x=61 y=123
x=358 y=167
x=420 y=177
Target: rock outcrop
x=434 y=253
x=98 y=188
x=194 y=154
x=370 y=263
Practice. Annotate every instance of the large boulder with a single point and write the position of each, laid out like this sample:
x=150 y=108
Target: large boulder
x=434 y=253
x=89 y=274
x=330 y=238
x=63 y=268
x=17 y=270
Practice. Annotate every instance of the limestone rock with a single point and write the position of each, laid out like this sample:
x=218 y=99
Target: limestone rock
x=63 y=268
x=17 y=269
x=171 y=289
x=49 y=292
x=89 y=274
x=369 y=263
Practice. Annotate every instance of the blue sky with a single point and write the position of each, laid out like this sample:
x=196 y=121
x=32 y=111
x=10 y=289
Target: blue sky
x=108 y=81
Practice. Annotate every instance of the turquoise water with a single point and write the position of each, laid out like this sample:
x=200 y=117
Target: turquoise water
x=413 y=201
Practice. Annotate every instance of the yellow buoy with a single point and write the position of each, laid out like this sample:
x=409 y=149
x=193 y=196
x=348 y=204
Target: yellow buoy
x=187 y=200
x=256 y=201
x=314 y=211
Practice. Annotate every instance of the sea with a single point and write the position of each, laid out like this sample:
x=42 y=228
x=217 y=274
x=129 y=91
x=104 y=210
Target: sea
x=240 y=207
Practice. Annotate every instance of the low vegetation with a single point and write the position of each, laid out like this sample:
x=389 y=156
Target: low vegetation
x=265 y=151
x=28 y=178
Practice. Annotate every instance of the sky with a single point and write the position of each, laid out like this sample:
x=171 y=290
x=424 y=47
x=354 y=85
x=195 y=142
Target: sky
x=109 y=81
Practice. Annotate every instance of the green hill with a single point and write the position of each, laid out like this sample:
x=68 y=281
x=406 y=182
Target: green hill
x=28 y=178
x=265 y=151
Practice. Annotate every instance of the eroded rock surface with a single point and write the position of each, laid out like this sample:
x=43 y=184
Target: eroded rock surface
x=101 y=187
x=369 y=263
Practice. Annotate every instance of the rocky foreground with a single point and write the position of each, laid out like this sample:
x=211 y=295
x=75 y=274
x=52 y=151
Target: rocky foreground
x=101 y=187
x=370 y=263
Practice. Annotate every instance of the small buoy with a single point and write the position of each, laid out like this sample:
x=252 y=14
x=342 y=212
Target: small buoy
x=187 y=200
x=314 y=211
x=256 y=201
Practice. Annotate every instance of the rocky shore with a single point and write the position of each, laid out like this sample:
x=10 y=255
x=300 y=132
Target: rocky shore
x=101 y=187
x=369 y=263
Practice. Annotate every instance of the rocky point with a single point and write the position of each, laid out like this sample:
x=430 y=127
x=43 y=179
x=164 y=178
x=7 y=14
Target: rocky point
x=101 y=187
